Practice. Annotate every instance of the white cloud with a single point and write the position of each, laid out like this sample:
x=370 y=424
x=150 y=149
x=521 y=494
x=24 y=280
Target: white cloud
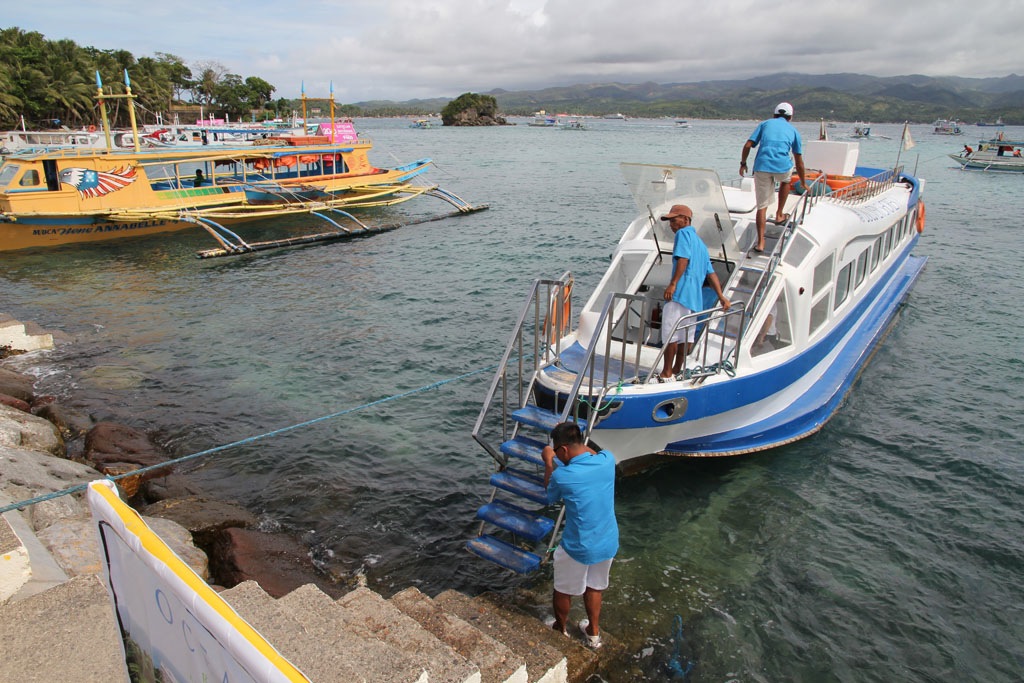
x=403 y=49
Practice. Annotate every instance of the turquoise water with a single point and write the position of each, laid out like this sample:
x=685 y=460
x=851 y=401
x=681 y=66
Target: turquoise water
x=887 y=547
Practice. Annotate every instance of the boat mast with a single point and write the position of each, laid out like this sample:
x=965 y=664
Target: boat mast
x=103 y=109
x=131 y=109
x=332 y=112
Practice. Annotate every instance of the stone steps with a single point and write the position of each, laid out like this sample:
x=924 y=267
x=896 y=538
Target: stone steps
x=411 y=637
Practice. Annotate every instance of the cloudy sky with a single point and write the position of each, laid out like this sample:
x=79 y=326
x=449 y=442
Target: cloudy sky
x=405 y=49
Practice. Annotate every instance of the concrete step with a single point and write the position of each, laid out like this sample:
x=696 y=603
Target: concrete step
x=325 y=622
x=369 y=614
x=15 y=335
x=497 y=663
x=581 y=661
x=310 y=655
x=67 y=633
x=544 y=664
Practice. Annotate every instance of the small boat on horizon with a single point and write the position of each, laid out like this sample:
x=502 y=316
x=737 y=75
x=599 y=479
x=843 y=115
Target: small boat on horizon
x=998 y=123
x=948 y=127
x=806 y=315
x=861 y=130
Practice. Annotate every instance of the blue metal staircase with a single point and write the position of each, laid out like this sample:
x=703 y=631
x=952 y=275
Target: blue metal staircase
x=517 y=523
x=517 y=527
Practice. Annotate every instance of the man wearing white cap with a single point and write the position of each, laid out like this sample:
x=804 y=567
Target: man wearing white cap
x=775 y=139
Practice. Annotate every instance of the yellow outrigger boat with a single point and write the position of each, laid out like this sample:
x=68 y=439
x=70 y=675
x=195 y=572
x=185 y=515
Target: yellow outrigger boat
x=67 y=195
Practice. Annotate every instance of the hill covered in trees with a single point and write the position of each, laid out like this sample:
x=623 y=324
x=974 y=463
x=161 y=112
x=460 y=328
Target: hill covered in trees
x=52 y=83
x=844 y=97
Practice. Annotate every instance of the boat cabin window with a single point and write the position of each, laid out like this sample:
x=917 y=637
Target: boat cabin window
x=30 y=179
x=775 y=332
x=887 y=244
x=876 y=251
x=798 y=249
x=862 y=266
x=822 y=274
x=819 y=315
x=7 y=173
x=843 y=285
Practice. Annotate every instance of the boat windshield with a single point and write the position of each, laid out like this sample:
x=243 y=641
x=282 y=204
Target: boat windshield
x=656 y=188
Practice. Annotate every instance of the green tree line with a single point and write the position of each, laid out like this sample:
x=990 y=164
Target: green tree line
x=52 y=83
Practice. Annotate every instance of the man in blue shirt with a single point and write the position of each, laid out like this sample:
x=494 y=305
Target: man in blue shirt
x=585 y=482
x=691 y=268
x=775 y=139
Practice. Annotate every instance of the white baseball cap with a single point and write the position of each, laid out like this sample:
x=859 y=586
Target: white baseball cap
x=784 y=108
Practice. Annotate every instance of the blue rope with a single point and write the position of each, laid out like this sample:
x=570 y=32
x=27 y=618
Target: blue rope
x=676 y=662
x=248 y=440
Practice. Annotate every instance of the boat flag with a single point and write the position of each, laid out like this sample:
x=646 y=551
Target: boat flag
x=908 y=141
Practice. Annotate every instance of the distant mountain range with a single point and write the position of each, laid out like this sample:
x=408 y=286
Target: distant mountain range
x=843 y=97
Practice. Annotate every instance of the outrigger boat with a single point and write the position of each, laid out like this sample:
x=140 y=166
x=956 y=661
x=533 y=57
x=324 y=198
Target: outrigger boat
x=67 y=196
x=805 y=317
x=999 y=154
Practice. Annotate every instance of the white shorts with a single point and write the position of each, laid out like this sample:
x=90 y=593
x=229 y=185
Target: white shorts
x=764 y=186
x=574 y=578
x=672 y=312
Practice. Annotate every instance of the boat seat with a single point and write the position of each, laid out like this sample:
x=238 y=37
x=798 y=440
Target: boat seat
x=741 y=200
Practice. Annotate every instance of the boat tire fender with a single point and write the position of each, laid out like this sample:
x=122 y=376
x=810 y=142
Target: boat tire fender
x=920 y=217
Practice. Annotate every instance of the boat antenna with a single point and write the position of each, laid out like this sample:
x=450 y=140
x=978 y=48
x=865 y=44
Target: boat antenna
x=654 y=231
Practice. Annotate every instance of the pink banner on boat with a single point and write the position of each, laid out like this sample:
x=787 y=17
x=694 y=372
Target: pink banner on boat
x=344 y=131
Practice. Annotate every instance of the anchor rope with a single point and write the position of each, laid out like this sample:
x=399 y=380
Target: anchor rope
x=599 y=408
x=250 y=439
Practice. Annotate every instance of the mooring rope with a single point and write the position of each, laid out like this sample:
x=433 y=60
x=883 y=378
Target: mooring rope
x=248 y=440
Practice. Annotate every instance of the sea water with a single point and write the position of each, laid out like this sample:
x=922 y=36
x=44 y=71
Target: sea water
x=888 y=546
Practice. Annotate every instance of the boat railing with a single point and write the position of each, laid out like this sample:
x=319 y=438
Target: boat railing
x=857 y=192
x=536 y=341
x=614 y=356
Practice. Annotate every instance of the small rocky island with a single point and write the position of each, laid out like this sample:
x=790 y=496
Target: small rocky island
x=471 y=109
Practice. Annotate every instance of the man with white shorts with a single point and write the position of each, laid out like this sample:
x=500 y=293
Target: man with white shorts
x=585 y=482
x=691 y=268
x=775 y=139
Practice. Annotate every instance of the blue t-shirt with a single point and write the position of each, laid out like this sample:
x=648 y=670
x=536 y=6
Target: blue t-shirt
x=775 y=139
x=688 y=245
x=587 y=487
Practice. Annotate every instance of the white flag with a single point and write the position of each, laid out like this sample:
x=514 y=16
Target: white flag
x=908 y=141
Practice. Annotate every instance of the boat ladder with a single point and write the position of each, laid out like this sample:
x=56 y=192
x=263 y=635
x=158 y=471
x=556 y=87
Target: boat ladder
x=517 y=528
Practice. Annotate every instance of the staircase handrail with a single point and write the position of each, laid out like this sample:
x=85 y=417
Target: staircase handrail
x=559 y=305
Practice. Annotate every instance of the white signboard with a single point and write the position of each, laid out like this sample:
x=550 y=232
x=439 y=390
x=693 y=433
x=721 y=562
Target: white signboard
x=174 y=627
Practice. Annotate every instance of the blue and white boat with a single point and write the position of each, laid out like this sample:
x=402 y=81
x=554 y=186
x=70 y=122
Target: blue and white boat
x=806 y=316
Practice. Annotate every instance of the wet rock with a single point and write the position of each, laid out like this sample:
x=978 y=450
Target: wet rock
x=71 y=422
x=111 y=442
x=169 y=486
x=201 y=516
x=14 y=403
x=16 y=384
x=279 y=564
x=19 y=429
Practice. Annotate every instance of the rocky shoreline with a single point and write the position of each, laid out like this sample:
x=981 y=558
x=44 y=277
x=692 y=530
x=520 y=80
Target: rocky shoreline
x=46 y=447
